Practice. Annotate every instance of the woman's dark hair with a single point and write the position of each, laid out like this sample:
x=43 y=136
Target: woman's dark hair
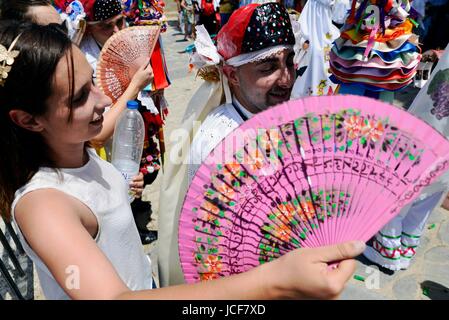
x=18 y=9
x=28 y=87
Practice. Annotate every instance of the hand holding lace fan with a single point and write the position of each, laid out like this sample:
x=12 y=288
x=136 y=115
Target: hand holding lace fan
x=307 y=173
x=122 y=55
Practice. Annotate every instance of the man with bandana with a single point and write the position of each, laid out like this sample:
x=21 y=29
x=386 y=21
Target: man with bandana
x=254 y=58
x=257 y=57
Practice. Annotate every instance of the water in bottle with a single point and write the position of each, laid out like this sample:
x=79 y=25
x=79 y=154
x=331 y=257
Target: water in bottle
x=127 y=143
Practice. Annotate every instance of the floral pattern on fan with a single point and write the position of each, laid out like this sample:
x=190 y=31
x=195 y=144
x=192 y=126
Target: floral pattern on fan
x=283 y=221
x=122 y=55
x=298 y=181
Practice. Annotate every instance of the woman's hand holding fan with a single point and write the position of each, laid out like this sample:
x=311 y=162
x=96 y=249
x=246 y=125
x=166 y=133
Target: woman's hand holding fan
x=123 y=70
x=142 y=78
x=124 y=60
x=299 y=274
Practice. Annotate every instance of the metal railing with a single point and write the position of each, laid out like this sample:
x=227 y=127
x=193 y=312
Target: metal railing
x=11 y=268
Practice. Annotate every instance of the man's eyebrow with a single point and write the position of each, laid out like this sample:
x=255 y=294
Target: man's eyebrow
x=267 y=60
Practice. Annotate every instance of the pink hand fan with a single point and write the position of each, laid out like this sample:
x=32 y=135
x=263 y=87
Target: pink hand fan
x=306 y=173
x=122 y=55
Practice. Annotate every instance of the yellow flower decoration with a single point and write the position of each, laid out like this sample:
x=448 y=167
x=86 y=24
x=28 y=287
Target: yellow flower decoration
x=4 y=71
x=8 y=56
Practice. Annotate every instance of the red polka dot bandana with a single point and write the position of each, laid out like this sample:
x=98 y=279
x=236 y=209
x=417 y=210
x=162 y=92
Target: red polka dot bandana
x=106 y=9
x=255 y=27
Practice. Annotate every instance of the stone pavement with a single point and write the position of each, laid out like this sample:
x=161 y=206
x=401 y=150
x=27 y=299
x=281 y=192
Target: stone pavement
x=431 y=266
x=427 y=277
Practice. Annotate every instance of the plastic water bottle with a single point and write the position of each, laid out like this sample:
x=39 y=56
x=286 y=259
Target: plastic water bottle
x=127 y=143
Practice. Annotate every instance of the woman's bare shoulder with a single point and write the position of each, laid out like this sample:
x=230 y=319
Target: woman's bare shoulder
x=42 y=205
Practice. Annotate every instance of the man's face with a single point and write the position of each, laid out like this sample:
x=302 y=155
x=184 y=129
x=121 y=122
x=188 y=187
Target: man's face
x=260 y=85
x=103 y=30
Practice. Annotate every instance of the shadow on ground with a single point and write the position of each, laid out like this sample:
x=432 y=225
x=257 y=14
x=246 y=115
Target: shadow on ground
x=435 y=291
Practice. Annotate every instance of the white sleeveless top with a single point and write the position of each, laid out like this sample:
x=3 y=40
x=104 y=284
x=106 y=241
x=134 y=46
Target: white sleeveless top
x=104 y=191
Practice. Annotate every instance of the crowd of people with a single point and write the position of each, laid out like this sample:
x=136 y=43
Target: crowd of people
x=213 y=14
x=57 y=183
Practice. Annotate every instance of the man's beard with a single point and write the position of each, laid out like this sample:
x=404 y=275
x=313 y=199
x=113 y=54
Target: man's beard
x=277 y=95
x=260 y=102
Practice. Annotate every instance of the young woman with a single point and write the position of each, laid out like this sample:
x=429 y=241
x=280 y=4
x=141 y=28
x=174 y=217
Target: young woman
x=71 y=207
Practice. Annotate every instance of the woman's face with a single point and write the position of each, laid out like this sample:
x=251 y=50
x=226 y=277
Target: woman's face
x=88 y=104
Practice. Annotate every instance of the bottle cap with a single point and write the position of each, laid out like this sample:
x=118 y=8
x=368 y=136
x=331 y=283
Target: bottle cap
x=133 y=105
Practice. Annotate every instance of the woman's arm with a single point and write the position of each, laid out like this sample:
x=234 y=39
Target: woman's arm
x=57 y=232
x=300 y=274
x=61 y=232
x=140 y=80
